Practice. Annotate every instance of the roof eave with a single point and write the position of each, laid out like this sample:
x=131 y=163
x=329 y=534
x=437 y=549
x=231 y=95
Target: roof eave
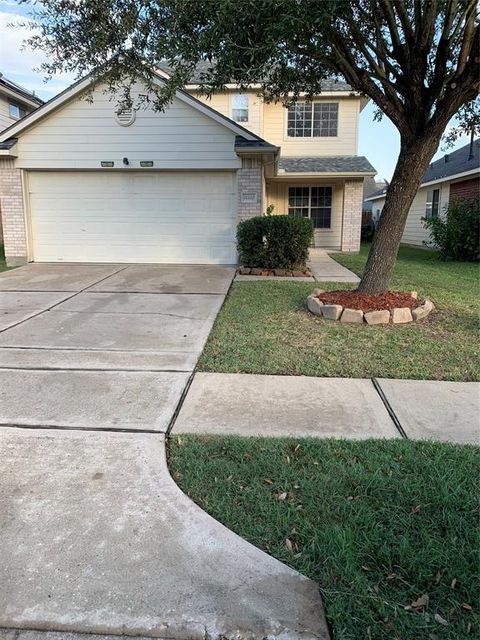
x=326 y=174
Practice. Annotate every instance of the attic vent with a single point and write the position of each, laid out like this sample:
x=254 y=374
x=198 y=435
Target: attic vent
x=125 y=117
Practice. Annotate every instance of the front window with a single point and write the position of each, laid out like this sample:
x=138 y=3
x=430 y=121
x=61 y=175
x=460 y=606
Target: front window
x=313 y=120
x=433 y=200
x=311 y=202
x=16 y=111
x=240 y=108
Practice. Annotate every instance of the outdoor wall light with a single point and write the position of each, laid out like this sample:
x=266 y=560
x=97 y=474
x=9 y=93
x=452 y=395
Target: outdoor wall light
x=125 y=161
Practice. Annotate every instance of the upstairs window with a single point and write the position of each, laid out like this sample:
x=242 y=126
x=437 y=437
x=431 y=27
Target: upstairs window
x=311 y=202
x=433 y=201
x=16 y=111
x=240 y=108
x=313 y=120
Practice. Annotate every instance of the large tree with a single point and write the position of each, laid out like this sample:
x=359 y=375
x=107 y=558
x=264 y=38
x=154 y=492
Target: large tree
x=418 y=60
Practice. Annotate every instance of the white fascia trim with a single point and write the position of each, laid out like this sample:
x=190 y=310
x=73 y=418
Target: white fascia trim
x=9 y=153
x=328 y=174
x=455 y=176
x=372 y=198
x=30 y=119
x=323 y=94
x=18 y=97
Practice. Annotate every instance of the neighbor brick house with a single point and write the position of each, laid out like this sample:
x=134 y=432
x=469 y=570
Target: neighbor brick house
x=455 y=175
x=80 y=182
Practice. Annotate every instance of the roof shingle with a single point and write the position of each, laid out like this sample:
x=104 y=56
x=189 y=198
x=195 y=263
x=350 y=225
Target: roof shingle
x=327 y=164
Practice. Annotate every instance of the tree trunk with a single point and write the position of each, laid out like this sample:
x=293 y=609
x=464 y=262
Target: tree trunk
x=413 y=160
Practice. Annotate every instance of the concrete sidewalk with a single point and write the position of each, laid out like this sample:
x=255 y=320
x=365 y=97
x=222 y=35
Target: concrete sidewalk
x=97 y=538
x=257 y=405
x=326 y=269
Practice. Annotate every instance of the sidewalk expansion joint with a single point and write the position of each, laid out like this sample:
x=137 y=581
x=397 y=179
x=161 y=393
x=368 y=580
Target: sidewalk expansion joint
x=179 y=406
x=389 y=408
x=59 y=427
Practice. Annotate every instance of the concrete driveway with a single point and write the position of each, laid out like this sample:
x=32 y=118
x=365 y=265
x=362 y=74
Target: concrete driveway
x=118 y=341
x=96 y=537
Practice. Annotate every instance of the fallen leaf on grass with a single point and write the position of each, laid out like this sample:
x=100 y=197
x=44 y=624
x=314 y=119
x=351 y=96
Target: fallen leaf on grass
x=453 y=583
x=289 y=544
x=467 y=607
x=438 y=618
x=267 y=481
x=420 y=604
x=281 y=496
x=416 y=509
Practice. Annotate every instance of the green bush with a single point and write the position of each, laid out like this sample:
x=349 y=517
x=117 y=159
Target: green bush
x=457 y=234
x=274 y=242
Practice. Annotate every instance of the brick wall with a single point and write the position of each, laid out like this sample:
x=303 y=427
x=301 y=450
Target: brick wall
x=250 y=189
x=13 y=215
x=465 y=189
x=352 y=214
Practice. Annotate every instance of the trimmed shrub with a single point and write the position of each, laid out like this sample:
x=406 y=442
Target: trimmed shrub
x=457 y=234
x=274 y=242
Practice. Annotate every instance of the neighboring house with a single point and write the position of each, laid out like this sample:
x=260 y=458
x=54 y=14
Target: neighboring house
x=82 y=183
x=15 y=103
x=371 y=186
x=456 y=175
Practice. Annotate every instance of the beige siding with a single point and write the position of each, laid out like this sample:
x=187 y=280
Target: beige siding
x=5 y=120
x=81 y=134
x=222 y=102
x=415 y=232
x=277 y=194
x=275 y=131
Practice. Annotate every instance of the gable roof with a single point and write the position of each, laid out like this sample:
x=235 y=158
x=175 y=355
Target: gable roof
x=448 y=167
x=204 y=66
x=85 y=83
x=326 y=164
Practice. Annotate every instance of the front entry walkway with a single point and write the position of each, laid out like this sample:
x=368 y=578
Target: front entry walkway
x=325 y=269
x=96 y=538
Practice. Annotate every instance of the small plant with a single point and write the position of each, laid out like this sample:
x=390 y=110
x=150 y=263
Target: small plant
x=457 y=234
x=274 y=242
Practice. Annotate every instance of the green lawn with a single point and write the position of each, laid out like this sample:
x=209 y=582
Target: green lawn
x=3 y=264
x=264 y=327
x=377 y=524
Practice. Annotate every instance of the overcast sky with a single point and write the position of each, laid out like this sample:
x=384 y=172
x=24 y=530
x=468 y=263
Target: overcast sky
x=379 y=141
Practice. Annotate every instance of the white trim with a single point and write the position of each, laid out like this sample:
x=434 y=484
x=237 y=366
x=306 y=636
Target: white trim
x=302 y=94
x=325 y=174
x=9 y=153
x=11 y=93
x=454 y=176
x=30 y=119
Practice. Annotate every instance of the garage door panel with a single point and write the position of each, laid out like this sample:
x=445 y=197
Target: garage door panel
x=184 y=217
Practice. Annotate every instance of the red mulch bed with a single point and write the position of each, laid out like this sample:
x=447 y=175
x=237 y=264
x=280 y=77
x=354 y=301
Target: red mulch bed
x=355 y=300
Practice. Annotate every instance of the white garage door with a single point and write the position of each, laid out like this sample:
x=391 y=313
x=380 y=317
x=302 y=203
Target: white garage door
x=94 y=216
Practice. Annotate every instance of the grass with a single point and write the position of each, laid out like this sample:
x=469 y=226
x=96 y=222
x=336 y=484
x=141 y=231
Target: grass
x=377 y=524
x=265 y=328
x=3 y=264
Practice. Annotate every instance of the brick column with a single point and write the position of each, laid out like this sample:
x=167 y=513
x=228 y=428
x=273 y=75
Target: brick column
x=250 y=189
x=352 y=214
x=13 y=214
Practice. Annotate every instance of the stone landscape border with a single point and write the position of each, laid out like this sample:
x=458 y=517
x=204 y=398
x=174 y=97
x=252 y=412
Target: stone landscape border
x=399 y=315
x=280 y=273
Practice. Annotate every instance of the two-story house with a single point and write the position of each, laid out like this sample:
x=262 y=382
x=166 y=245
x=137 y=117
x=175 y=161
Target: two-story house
x=15 y=102
x=82 y=182
x=318 y=172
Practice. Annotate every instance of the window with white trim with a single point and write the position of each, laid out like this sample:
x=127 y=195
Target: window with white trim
x=432 y=204
x=240 y=108
x=311 y=202
x=16 y=111
x=312 y=120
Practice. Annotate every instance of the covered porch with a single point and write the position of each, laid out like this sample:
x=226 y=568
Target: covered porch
x=328 y=190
